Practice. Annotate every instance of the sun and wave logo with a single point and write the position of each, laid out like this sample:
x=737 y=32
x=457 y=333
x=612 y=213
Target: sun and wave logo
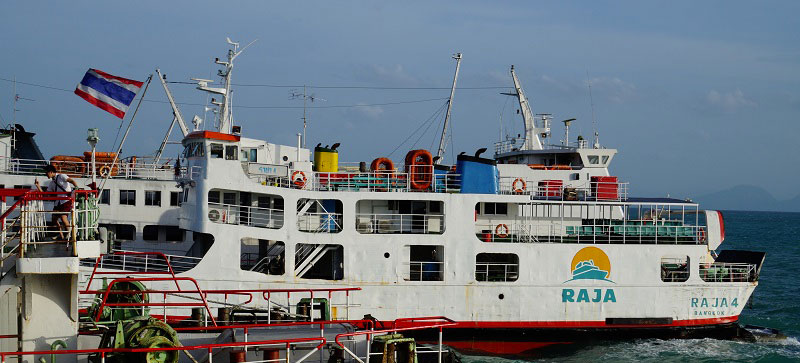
x=590 y=263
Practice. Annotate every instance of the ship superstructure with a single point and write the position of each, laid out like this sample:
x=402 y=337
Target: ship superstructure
x=535 y=246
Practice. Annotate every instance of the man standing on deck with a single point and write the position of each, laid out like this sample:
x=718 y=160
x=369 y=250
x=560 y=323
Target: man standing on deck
x=59 y=183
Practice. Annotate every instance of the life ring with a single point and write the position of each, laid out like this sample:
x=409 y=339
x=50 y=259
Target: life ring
x=499 y=227
x=701 y=235
x=104 y=171
x=381 y=164
x=518 y=189
x=301 y=181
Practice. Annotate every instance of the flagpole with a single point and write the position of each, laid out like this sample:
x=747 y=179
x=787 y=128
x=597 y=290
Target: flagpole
x=125 y=136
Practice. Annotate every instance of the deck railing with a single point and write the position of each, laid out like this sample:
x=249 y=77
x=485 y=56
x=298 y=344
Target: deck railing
x=390 y=223
x=496 y=271
x=620 y=232
x=364 y=181
x=321 y=222
x=728 y=272
x=589 y=191
x=128 y=168
x=245 y=215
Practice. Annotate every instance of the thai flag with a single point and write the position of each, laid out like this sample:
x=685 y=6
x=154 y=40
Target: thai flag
x=111 y=93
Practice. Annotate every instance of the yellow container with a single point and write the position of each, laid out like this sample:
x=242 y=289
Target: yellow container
x=326 y=160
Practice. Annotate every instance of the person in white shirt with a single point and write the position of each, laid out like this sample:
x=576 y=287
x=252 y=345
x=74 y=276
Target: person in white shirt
x=59 y=183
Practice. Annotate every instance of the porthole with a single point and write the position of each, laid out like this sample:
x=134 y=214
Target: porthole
x=386 y=255
x=501 y=296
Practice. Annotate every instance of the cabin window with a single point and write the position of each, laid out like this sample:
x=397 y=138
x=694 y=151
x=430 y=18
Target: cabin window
x=127 y=197
x=150 y=233
x=105 y=197
x=495 y=208
x=216 y=151
x=319 y=215
x=125 y=231
x=675 y=269
x=605 y=159
x=594 y=159
x=194 y=149
x=174 y=233
x=319 y=261
x=231 y=152
x=264 y=256
x=152 y=197
x=213 y=196
x=247 y=209
x=174 y=199
x=575 y=176
x=425 y=263
x=496 y=267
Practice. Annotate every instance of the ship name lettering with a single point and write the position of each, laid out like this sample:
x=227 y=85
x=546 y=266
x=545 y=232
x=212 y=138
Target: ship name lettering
x=715 y=302
x=568 y=295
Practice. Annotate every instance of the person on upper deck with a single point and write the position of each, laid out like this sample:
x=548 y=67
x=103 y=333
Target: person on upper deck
x=59 y=183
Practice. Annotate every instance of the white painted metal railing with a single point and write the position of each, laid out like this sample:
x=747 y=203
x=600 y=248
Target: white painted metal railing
x=728 y=272
x=245 y=215
x=368 y=223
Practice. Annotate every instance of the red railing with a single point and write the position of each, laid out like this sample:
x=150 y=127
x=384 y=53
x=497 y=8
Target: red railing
x=102 y=352
x=420 y=323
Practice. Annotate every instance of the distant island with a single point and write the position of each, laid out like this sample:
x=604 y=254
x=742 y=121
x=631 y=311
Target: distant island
x=747 y=197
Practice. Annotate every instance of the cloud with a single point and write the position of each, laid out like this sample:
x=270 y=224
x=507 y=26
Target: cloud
x=613 y=88
x=389 y=75
x=729 y=101
x=372 y=112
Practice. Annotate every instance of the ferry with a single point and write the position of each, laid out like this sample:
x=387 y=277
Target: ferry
x=536 y=246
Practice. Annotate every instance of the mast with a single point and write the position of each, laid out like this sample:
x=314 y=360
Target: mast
x=175 y=111
x=225 y=105
x=532 y=141
x=440 y=151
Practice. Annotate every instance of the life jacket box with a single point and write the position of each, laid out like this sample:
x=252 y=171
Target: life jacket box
x=326 y=160
x=550 y=188
x=605 y=187
x=478 y=175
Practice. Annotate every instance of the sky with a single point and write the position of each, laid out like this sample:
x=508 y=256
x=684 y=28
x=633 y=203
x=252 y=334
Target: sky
x=696 y=96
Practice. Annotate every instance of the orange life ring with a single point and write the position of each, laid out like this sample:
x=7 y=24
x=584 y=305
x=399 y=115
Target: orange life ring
x=497 y=232
x=381 y=164
x=518 y=189
x=104 y=171
x=301 y=181
x=701 y=235
x=419 y=166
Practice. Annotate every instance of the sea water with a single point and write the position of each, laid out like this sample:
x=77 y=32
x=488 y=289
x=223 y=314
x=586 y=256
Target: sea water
x=775 y=304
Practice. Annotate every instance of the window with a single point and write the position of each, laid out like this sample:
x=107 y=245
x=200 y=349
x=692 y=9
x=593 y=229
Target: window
x=264 y=256
x=605 y=159
x=319 y=215
x=216 y=151
x=231 y=152
x=127 y=197
x=174 y=199
x=194 y=149
x=319 y=261
x=496 y=267
x=126 y=231
x=105 y=197
x=495 y=208
x=675 y=269
x=229 y=198
x=253 y=157
x=213 y=196
x=150 y=233
x=594 y=159
x=152 y=197
x=425 y=263
x=173 y=233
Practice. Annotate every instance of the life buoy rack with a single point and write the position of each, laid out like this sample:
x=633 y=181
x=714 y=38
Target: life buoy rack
x=701 y=235
x=299 y=181
x=419 y=166
x=501 y=231
x=518 y=186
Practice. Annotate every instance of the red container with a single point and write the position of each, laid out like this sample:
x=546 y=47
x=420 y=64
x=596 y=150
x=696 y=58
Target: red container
x=605 y=187
x=550 y=188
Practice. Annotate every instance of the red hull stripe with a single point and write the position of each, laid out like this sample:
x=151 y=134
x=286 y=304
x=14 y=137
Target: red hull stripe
x=123 y=80
x=582 y=324
x=110 y=109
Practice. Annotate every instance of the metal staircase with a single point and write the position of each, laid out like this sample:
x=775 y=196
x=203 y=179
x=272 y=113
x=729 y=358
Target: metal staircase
x=309 y=254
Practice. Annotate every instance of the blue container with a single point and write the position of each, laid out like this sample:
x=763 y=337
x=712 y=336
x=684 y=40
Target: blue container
x=440 y=178
x=478 y=175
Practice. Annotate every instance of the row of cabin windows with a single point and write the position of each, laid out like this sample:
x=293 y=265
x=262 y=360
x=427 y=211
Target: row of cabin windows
x=151 y=197
x=326 y=261
x=220 y=151
x=127 y=232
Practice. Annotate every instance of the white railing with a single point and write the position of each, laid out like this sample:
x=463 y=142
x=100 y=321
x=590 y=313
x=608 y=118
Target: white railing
x=728 y=272
x=400 y=223
x=320 y=222
x=144 y=263
x=245 y=215
x=425 y=271
x=128 y=168
x=674 y=269
x=496 y=271
x=591 y=191
x=364 y=182
x=623 y=232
